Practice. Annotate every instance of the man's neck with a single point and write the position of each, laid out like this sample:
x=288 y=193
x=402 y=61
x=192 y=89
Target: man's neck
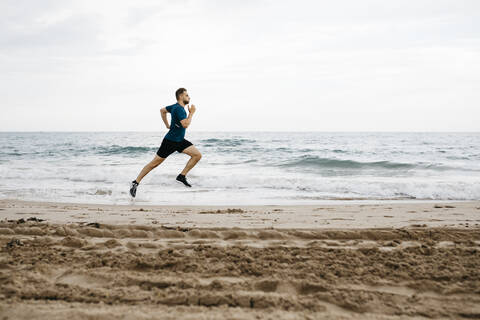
x=181 y=103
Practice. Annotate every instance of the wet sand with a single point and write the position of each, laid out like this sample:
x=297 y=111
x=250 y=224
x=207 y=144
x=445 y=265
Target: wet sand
x=377 y=261
x=358 y=215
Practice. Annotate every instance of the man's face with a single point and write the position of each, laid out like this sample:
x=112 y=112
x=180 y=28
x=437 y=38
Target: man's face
x=185 y=97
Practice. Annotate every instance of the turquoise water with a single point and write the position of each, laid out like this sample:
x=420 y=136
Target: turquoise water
x=242 y=167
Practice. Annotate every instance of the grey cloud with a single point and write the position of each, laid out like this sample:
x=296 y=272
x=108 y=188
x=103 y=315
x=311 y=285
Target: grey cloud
x=76 y=31
x=24 y=32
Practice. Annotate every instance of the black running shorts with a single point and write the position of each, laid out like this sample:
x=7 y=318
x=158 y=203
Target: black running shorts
x=168 y=147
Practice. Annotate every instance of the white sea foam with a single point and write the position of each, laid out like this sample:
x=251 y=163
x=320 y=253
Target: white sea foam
x=243 y=168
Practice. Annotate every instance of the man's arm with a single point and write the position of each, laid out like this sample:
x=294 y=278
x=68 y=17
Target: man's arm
x=163 y=112
x=186 y=122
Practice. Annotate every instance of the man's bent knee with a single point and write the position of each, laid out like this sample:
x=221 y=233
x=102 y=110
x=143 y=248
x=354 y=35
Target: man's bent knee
x=197 y=156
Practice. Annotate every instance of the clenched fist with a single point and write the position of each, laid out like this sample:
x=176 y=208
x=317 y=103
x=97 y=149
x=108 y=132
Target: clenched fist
x=191 y=108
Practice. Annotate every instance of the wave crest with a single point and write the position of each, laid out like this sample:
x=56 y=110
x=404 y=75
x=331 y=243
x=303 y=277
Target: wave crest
x=115 y=149
x=318 y=162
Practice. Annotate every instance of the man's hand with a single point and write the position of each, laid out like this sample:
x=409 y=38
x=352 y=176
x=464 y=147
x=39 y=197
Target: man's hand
x=192 y=108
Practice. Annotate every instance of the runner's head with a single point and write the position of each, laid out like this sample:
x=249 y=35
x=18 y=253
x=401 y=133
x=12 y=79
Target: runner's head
x=182 y=95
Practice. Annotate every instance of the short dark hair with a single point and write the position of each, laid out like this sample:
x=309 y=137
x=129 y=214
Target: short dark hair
x=179 y=92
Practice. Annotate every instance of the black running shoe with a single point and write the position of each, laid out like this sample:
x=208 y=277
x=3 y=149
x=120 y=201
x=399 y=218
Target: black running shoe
x=181 y=178
x=133 y=188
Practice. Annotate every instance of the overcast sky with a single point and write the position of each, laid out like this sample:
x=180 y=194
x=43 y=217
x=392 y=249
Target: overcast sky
x=248 y=65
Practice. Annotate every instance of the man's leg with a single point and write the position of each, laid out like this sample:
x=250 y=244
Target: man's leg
x=195 y=156
x=149 y=167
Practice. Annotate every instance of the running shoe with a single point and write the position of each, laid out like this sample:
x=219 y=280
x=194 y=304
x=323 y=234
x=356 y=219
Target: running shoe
x=133 y=188
x=181 y=178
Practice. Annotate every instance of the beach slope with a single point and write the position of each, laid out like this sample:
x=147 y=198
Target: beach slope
x=81 y=261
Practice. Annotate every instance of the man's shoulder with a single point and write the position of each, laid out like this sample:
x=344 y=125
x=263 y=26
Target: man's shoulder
x=172 y=108
x=172 y=105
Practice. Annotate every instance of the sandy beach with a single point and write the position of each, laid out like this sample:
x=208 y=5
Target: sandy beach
x=392 y=260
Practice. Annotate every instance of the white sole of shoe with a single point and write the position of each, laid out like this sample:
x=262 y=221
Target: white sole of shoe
x=182 y=183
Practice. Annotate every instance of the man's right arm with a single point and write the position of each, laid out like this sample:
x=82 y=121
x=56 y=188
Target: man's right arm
x=164 y=112
x=186 y=122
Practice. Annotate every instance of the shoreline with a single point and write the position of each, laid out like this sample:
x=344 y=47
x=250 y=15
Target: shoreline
x=333 y=202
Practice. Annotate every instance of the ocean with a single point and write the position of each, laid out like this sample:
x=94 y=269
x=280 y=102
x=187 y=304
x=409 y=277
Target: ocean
x=240 y=168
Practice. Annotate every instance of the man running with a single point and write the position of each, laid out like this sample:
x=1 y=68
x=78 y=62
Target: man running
x=174 y=139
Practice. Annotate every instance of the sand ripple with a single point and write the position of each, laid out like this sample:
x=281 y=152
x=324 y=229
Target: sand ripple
x=100 y=271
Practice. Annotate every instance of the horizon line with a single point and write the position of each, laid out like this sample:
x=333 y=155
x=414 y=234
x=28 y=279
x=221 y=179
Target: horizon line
x=194 y=131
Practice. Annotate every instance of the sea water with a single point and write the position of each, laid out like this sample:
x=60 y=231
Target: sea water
x=242 y=167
